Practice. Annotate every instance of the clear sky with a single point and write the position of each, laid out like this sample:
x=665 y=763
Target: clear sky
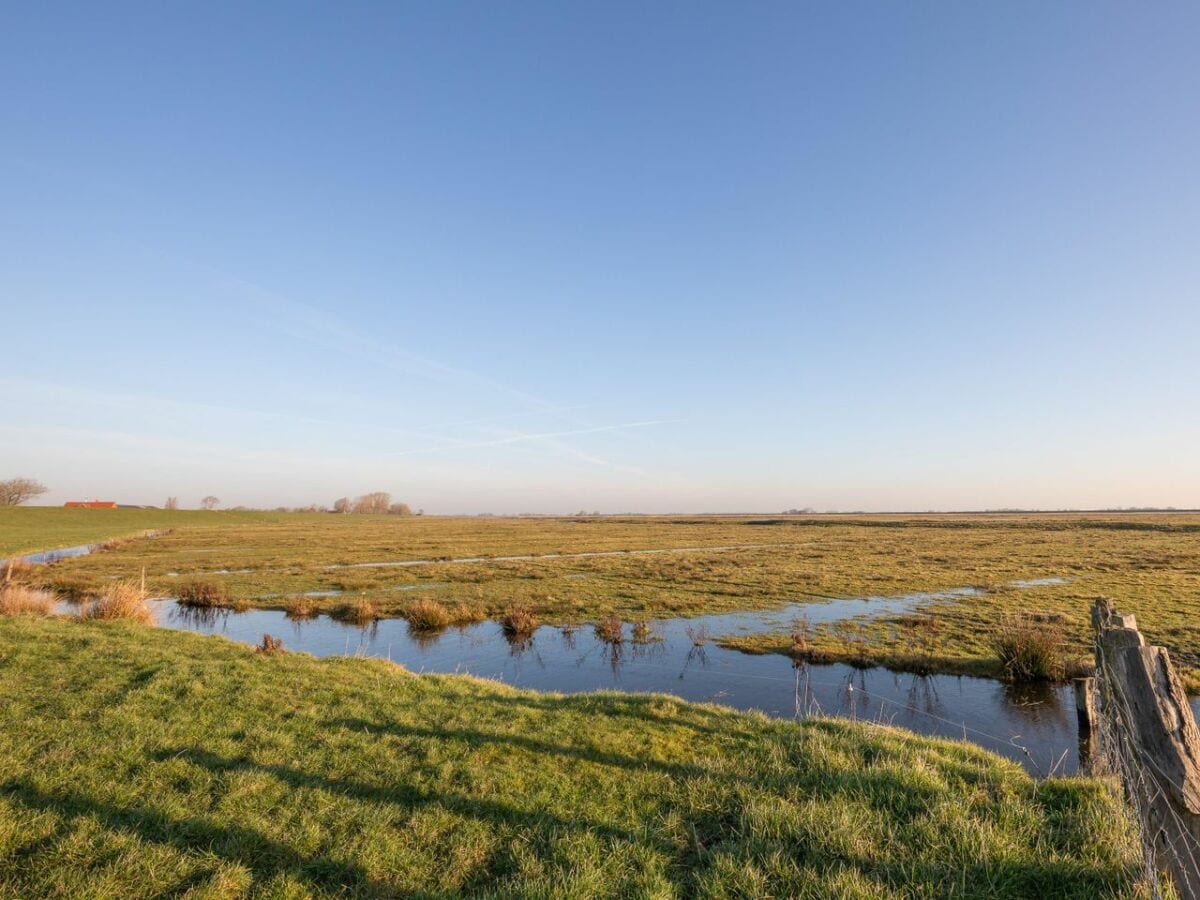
x=549 y=256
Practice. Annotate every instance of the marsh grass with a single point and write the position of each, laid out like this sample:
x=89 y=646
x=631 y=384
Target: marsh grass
x=20 y=600
x=428 y=615
x=610 y=629
x=15 y=570
x=199 y=593
x=1149 y=562
x=519 y=621
x=188 y=766
x=466 y=614
x=300 y=607
x=122 y=600
x=642 y=632
x=269 y=645
x=1031 y=648
x=360 y=612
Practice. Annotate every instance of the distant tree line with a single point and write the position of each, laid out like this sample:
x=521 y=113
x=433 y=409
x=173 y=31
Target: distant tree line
x=376 y=503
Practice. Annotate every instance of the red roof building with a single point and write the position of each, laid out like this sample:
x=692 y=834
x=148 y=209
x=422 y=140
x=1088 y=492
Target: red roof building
x=91 y=504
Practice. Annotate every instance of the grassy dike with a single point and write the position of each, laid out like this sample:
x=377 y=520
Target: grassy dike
x=136 y=763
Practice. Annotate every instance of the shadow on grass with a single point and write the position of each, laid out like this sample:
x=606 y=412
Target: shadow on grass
x=472 y=737
x=265 y=858
x=401 y=795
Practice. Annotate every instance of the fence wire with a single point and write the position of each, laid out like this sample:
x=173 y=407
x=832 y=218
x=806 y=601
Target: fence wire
x=1147 y=789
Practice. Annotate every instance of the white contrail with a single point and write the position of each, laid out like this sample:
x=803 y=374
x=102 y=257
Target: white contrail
x=539 y=436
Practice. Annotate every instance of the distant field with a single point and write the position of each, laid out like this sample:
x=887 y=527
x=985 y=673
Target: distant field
x=27 y=529
x=137 y=762
x=1150 y=563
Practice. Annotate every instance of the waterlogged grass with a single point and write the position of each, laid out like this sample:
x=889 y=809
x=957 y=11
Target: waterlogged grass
x=139 y=763
x=1149 y=564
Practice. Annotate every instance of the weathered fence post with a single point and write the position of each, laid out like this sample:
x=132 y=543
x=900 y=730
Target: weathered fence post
x=1085 y=711
x=1155 y=742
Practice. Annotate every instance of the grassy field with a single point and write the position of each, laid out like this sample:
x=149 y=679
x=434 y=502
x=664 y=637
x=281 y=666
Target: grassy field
x=1150 y=564
x=28 y=529
x=137 y=762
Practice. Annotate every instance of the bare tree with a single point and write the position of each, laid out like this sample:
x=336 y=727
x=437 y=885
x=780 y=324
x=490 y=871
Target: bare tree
x=210 y=502
x=16 y=491
x=376 y=502
x=172 y=503
x=341 y=505
x=400 y=509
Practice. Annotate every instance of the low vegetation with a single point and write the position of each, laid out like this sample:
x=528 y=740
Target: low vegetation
x=122 y=600
x=1030 y=648
x=610 y=629
x=360 y=612
x=300 y=607
x=428 y=615
x=202 y=594
x=189 y=766
x=1149 y=562
x=19 y=600
x=519 y=620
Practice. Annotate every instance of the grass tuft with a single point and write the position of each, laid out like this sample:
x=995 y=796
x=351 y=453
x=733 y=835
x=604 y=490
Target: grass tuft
x=360 y=612
x=15 y=570
x=18 y=600
x=519 y=620
x=269 y=645
x=611 y=630
x=300 y=607
x=202 y=594
x=427 y=615
x=123 y=600
x=1031 y=648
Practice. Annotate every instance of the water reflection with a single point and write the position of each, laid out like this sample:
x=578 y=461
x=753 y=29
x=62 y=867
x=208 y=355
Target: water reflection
x=1035 y=726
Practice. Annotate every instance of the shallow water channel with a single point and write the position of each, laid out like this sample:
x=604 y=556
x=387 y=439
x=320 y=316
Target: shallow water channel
x=1034 y=726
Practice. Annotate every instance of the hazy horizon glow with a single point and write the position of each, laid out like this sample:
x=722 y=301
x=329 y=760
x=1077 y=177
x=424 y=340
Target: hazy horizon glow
x=606 y=256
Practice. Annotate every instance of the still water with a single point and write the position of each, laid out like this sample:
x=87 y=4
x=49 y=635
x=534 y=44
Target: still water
x=1034 y=726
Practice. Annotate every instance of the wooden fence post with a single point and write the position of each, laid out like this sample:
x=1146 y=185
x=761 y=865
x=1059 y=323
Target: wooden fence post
x=1143 y=701
x=1085 y=712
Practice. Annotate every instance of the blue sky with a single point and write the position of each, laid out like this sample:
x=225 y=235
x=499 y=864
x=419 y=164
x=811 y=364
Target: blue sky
x=615 y=256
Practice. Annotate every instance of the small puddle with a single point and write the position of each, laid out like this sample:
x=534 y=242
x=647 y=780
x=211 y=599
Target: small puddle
x=1034 y=726
x=52 y=556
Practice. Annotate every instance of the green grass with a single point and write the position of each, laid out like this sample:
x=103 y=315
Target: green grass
x=1149 y=564
x=145 y=763
x=28 y=529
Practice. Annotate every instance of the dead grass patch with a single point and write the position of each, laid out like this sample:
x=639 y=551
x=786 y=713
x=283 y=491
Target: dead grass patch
x=611 y=630
x=361 y=612
x=202 y=594
x=519 y=620
x=19 y=600
x=300 y=608
x=123 y=600
x=427 y=615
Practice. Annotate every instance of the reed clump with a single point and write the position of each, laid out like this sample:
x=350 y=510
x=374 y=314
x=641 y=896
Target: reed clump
x=1031 y=648
x=519 y=620
x=643 y=633
x=14 y=570
x=361 y=612
x=269 y=645
x=122 y=600
x=300 y=607
x=466 y=614
x=427 y=615
x=611 y=630
x=19 y=600
x=202 y=594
